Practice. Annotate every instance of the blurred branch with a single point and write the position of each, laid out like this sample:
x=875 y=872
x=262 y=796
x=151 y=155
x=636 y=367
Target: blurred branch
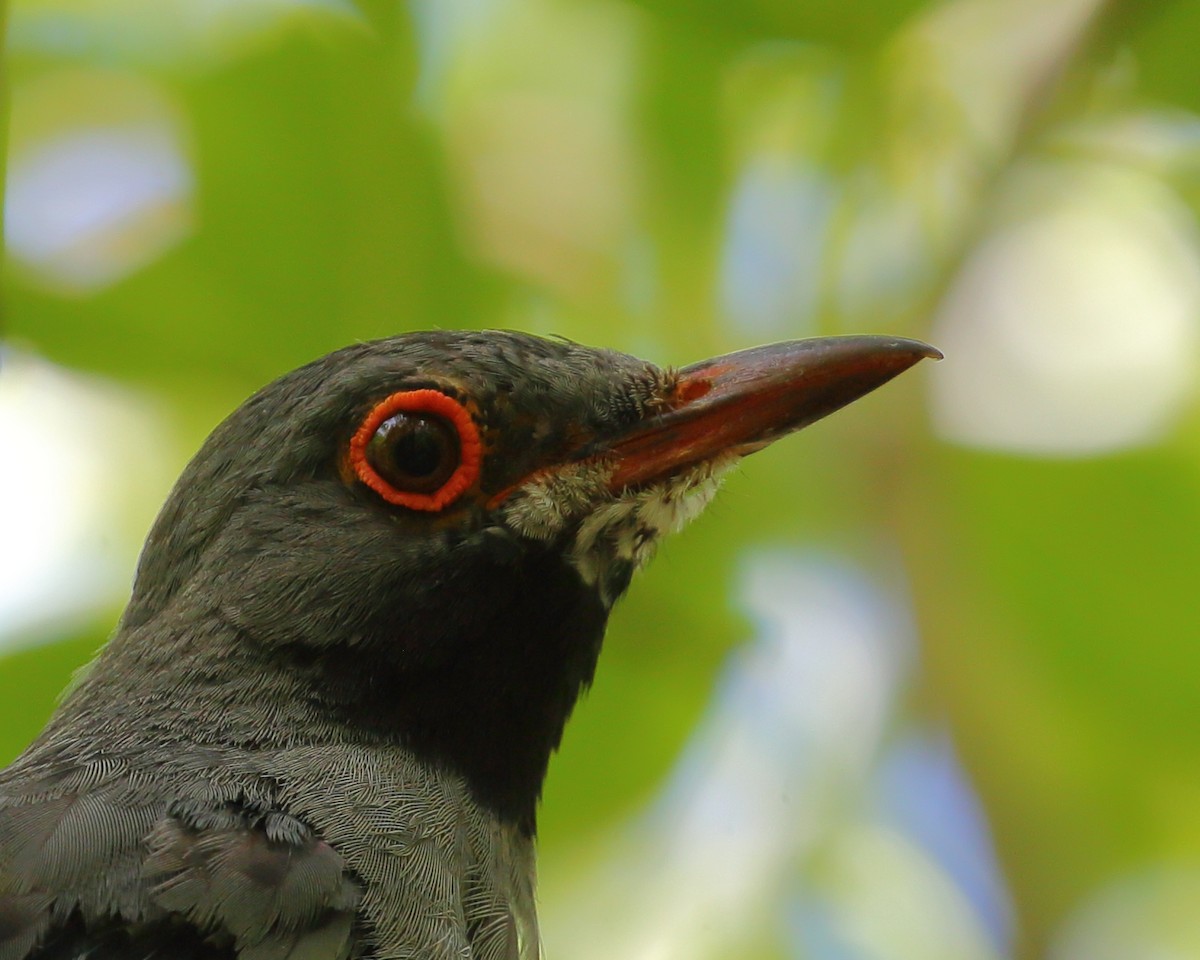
x=1043 y=106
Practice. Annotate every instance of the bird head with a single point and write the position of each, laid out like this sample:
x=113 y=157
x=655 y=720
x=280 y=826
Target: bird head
x=429 y=530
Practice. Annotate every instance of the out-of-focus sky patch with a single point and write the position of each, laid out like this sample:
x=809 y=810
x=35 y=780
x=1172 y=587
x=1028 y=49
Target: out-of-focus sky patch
x=772 y=813
x=1074 y=325
x=780 y=106
x=922 y=792
x=84 y=475
x=171 y=35
x=773 y=250
x=99 y=180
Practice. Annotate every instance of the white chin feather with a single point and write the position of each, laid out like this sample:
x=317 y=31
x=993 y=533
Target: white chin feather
x=627 y=529
x=615 y=531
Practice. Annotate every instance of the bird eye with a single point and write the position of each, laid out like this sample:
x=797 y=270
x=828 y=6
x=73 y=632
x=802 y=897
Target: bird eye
x=418 y=449
x=413 y=452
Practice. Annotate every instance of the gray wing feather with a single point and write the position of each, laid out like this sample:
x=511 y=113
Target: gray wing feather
x=271 y=896
x=312 y=853
x=115 y=871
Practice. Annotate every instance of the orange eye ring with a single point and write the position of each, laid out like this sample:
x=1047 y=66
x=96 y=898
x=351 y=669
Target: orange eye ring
x=430 y=403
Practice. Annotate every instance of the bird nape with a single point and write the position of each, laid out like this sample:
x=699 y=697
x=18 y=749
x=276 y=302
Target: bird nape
x=358 y=627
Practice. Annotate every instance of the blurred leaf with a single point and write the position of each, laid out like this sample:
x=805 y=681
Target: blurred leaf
x=1160 y=34
x=1051 y=595
x=323 y=220
x=819 y=21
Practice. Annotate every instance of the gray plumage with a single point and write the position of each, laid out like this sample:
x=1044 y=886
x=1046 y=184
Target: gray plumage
x=322 y=725
x=277 y=854
x=195 y=792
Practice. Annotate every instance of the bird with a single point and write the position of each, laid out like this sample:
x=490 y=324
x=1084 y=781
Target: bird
x=356 y=631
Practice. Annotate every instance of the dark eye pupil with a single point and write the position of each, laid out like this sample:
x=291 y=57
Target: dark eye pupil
x=419 y=451
x=414 y=453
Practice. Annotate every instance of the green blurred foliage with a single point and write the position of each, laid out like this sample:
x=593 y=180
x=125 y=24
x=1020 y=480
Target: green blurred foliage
x=1055 y=599
x=1061 y=591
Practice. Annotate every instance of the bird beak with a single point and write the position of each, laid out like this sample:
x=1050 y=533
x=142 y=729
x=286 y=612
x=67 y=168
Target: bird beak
x=739 y=403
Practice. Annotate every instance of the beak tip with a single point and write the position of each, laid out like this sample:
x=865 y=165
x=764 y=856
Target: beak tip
x=923 y=350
